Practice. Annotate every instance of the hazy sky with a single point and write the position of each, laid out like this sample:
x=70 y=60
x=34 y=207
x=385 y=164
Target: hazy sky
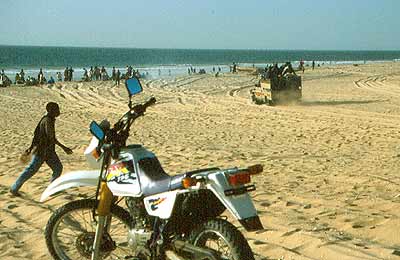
x=206 y=24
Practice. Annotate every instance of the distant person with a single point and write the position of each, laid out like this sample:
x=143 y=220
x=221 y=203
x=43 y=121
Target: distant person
x=114 y=73
x=128 y=72
x=117 y=77
x=132 y=71
x=96 y=73
x=17 y=78
x=31 y=81
x=28 y=81
x=313 y=65
x=274 y=76
x=22 y=75
x=3 y=79
x=219 y=69
x=43 y=149
x=159 y=72
x=91 y=73
x=103 y=73
x=71 y=74
x=213 y=69
x=85 y=75
x=188 y=71
x=234 y=68
x=59 y=76
x=288 y=69
x=66 y=74
x=40 y=77
x=51 y=80
x=302 y=65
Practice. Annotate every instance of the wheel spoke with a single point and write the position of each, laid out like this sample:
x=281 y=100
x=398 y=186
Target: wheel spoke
x=70 y=221
x=72 y=234
x=213 y=240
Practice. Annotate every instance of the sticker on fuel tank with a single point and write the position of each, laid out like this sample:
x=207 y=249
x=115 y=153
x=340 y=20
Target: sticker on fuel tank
x=121 y=173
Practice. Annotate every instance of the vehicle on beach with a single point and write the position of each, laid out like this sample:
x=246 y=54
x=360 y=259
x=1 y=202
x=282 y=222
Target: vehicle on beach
x=281 y=90
x=166 y=217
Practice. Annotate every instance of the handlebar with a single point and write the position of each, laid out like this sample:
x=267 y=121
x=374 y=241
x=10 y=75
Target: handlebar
x=118 y=135
x=141 y=108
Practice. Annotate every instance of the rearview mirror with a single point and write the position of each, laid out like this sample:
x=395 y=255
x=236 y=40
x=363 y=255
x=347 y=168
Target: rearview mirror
x=133 y=86
x=96 y=130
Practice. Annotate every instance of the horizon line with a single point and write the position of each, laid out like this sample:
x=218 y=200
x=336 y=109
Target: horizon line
x=212 y=49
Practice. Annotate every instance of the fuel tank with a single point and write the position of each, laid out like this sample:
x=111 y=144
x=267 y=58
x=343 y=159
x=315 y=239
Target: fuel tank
x=122 y=175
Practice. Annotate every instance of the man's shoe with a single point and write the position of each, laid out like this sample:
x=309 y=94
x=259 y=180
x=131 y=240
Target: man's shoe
x=15 y=193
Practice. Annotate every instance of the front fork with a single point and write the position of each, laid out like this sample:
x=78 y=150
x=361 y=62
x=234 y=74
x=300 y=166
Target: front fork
x=104 y=217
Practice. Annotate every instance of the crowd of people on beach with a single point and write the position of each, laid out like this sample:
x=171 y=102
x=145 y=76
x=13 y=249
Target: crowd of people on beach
x=93 y=74
x=192 y=70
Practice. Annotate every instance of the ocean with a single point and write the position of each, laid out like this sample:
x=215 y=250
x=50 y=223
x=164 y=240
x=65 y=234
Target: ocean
x=167 y=62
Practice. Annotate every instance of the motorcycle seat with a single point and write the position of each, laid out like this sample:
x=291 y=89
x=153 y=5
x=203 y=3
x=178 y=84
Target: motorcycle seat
x=153 y=179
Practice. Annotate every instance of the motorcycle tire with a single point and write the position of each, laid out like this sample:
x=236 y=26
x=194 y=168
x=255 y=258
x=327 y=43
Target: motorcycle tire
x=61 y=215
x=234 y=240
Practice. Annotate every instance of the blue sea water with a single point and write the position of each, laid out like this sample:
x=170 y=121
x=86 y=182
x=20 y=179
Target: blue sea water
x=166 y=62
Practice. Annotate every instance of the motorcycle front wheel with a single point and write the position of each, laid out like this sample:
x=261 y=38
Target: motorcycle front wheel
x=222 y=237
x=71 y=229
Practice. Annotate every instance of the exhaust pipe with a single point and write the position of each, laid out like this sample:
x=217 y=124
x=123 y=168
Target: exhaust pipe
x=173 y=256
x=196 y=252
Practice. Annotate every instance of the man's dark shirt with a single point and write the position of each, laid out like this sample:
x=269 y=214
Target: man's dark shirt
x=47 y=140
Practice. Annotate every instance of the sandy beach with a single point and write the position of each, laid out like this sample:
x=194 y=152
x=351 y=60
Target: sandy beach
x=330 y=189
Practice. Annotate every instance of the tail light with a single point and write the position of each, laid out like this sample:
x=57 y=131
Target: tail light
x=240 y=178
x=243 y=177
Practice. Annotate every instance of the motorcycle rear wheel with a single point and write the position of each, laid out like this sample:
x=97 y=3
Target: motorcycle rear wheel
x=70 y=232
x=223 y=237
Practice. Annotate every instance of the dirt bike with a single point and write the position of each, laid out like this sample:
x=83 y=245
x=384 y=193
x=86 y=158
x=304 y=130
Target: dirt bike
x=166 y=217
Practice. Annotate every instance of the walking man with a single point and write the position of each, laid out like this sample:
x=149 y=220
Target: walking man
x=43 y=149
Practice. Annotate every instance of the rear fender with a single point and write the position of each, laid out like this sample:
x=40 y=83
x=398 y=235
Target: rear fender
x=70 y=180
x=240 y=206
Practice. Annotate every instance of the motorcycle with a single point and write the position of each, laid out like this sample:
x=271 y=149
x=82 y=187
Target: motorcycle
x=166 y=217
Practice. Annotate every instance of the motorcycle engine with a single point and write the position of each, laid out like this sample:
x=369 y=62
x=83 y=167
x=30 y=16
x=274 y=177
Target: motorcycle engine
x=138 y=238
x=141 y=234
x=137 y=210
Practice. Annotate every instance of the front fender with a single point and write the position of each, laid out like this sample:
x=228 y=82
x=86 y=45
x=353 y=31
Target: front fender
x=71 y=179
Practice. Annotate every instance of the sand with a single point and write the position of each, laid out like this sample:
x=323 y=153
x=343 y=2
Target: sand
x=330 y=189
